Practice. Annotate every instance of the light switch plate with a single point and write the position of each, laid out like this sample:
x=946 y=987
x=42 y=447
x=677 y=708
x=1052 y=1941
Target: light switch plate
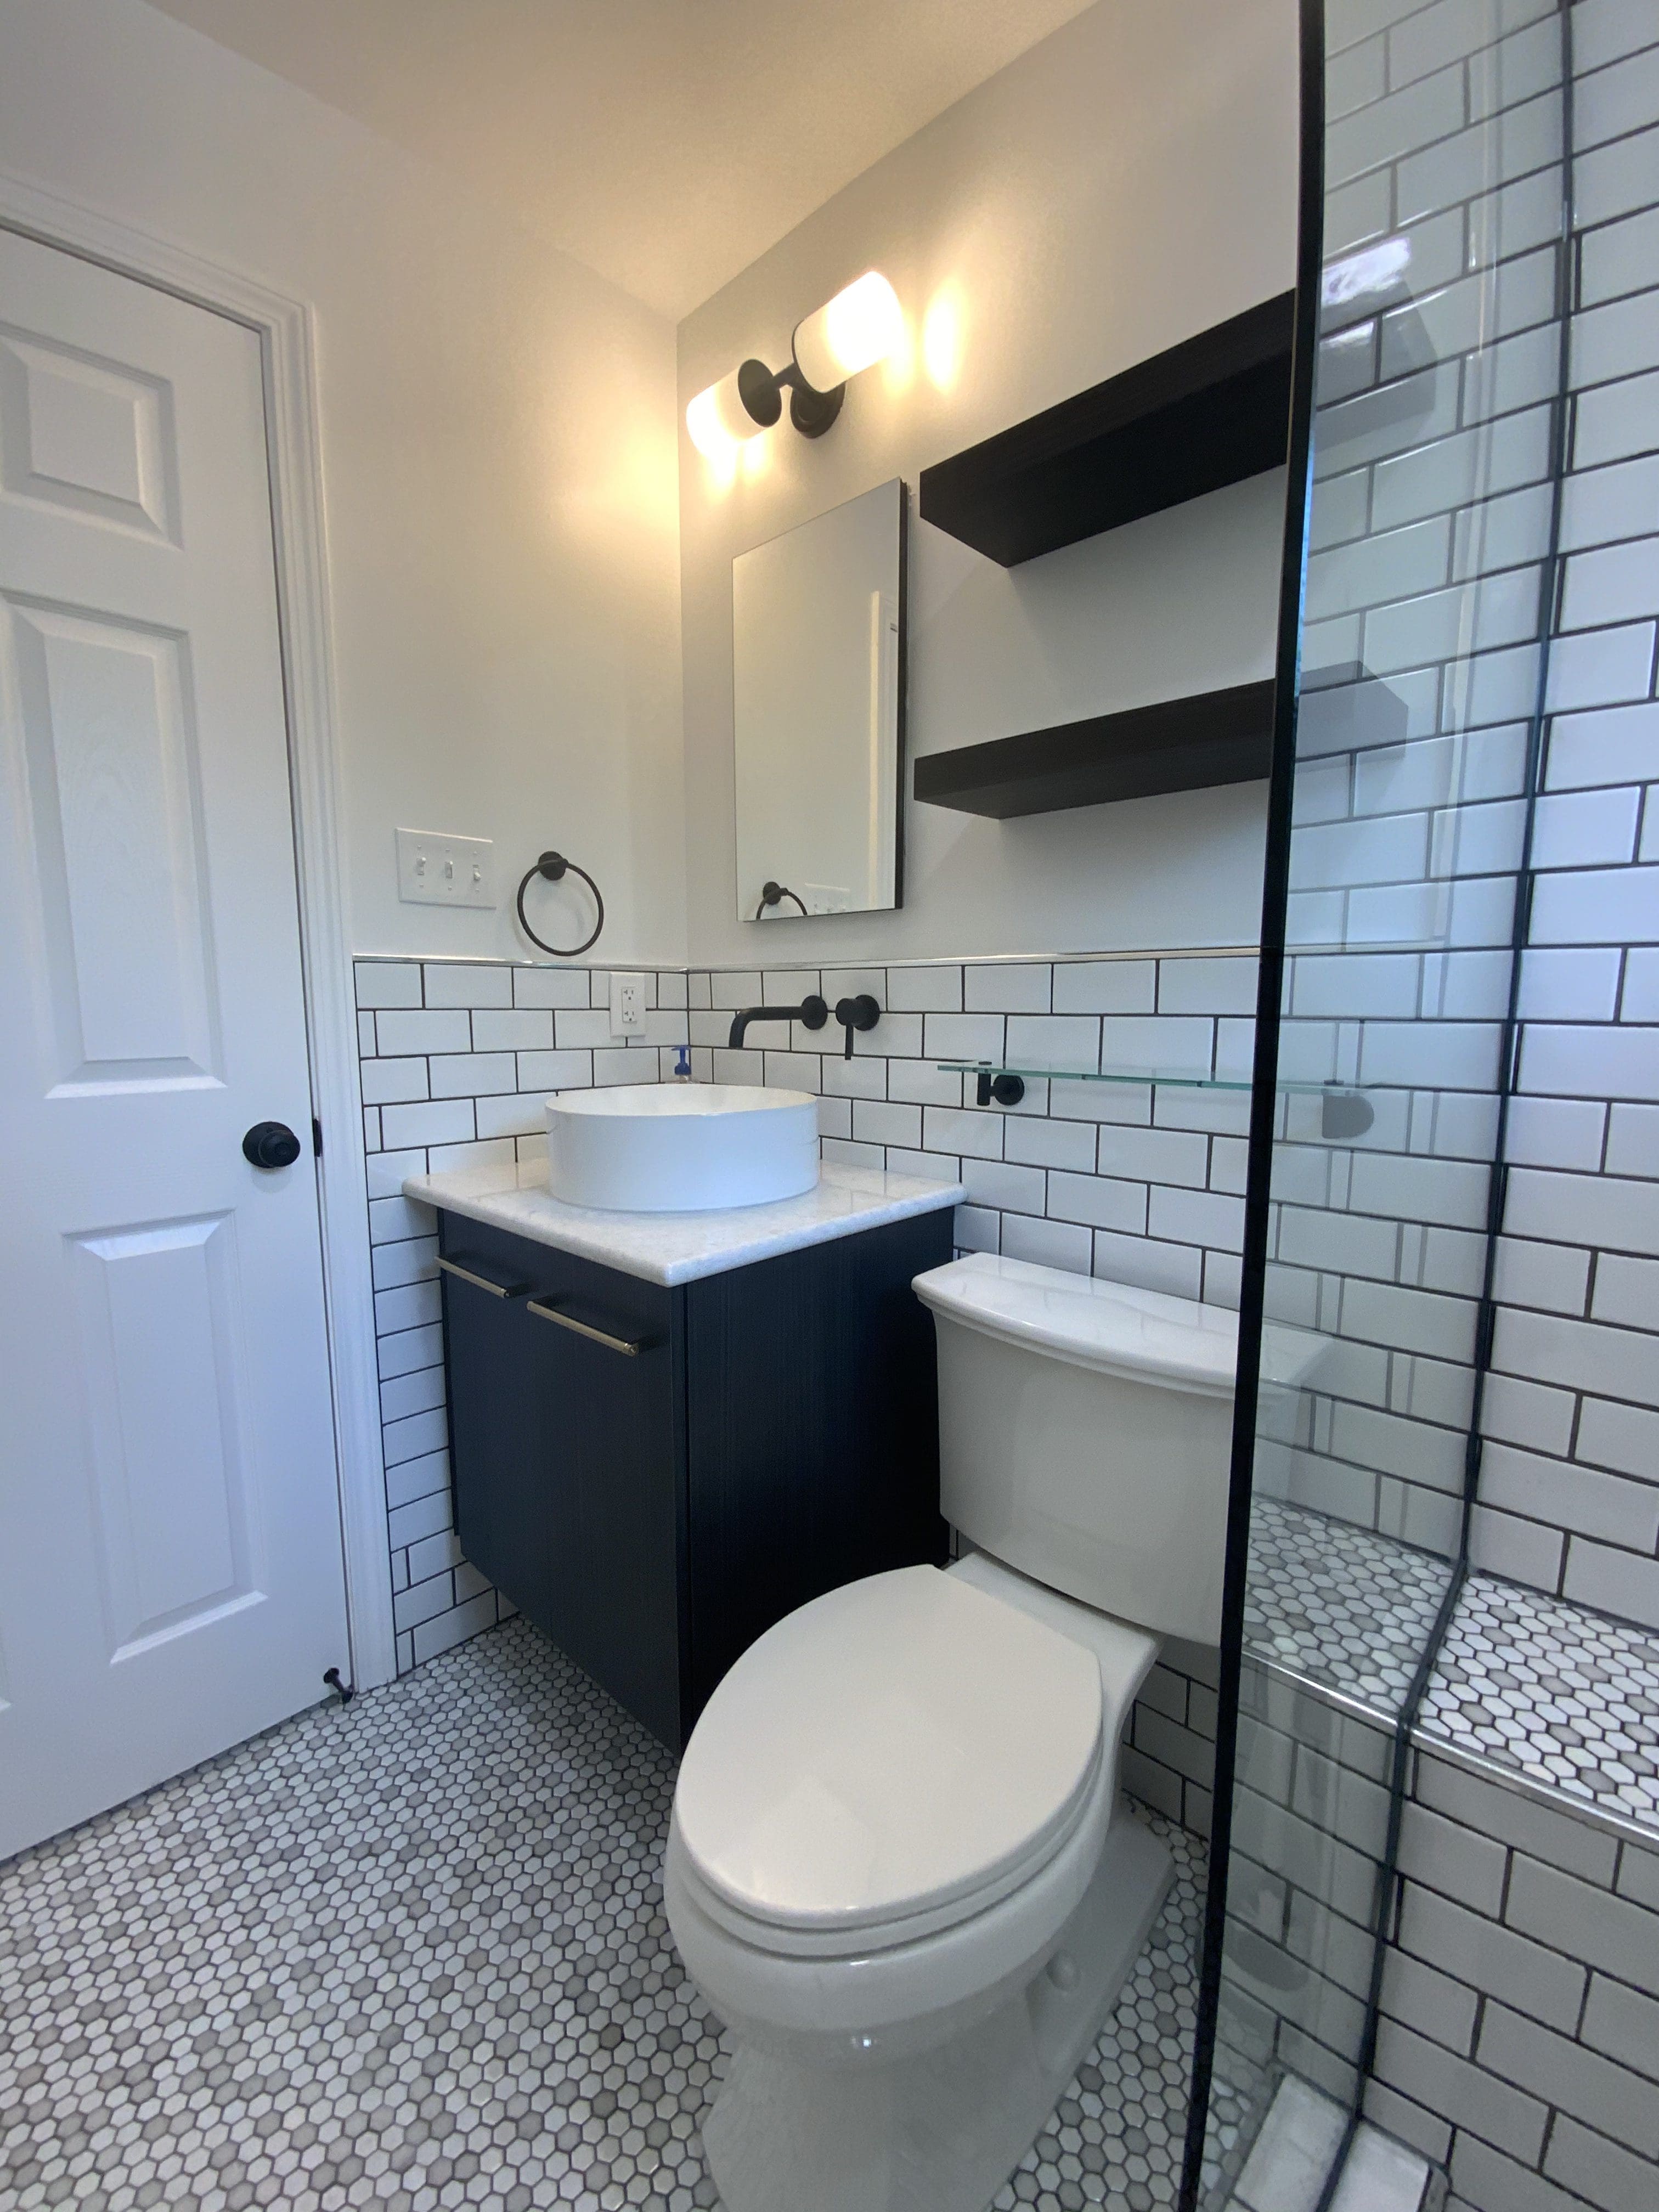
x=436 y=869
x=627 y=1006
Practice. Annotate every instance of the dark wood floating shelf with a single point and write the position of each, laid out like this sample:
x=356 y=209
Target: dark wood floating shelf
x=1175 y=744
x=1211 y=412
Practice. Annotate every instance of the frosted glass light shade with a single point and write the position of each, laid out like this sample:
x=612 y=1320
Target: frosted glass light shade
x=717 y=418
x=861 y=326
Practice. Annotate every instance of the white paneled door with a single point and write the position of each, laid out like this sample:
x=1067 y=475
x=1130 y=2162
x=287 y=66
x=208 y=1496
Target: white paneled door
x=170 y=1554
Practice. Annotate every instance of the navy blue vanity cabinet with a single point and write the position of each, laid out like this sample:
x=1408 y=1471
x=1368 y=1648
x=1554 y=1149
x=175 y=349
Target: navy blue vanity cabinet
x=566 y=1453
x=655 y=1476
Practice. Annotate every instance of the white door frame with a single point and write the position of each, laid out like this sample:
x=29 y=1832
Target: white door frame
x=285 y=329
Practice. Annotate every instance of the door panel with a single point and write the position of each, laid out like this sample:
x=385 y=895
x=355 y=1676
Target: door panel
x=91 y=436
x=170 y=1564
x=112 y=768
x=157 y=1313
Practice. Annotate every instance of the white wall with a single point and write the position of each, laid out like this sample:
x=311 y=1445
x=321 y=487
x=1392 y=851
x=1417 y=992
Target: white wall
x=499 y=456
x=1126 y=183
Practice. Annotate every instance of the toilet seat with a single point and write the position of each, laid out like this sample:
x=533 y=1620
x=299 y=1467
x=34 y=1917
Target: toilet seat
x=888 y=1761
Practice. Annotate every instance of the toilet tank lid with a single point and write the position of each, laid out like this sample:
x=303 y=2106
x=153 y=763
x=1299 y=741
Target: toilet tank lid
x=1115 y=1327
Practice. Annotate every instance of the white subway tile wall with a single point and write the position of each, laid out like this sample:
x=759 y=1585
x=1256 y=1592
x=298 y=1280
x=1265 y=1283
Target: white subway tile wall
x=1570 y=1481
x=1310 y=1819
x=1430 y=527
x=1519 y=2039
x=1135 y=1181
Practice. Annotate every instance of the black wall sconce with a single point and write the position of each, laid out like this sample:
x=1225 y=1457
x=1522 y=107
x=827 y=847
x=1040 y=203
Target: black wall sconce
x=861 y=325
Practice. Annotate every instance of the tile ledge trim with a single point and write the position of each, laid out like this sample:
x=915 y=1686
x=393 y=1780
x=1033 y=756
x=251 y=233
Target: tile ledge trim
x=1583 y=1809
x=1423 y=1739
x=817 y=967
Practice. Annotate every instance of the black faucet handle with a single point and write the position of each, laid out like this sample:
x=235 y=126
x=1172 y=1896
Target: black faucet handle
x=862 y=1012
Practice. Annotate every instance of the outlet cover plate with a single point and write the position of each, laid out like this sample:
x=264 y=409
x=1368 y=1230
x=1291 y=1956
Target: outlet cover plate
x=628 y=1005
x=436 y=868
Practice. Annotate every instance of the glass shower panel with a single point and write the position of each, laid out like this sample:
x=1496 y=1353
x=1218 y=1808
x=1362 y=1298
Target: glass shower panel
x=1431 y=530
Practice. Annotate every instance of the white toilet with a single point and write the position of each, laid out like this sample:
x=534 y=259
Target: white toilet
x=896 y=1868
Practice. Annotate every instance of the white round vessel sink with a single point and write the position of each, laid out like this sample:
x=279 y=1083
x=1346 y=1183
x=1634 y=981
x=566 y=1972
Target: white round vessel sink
x=681 y=1147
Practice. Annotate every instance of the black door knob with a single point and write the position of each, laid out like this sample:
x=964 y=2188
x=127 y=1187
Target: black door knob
x=271 y=1144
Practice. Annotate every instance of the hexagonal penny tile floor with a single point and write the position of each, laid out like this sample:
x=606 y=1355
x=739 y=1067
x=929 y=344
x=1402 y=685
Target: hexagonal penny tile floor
x=411 y=1953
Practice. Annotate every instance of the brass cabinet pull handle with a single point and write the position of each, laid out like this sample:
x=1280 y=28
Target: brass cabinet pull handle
x=630 y=1346
x=482 y=1282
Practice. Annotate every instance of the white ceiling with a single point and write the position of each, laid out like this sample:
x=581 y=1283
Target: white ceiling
x=664 y=143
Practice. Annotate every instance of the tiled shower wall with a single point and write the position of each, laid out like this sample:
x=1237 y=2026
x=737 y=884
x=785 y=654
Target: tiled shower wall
x=1447 y=280
x=1519 y=2042
x=1121 y=1179
x=1570 y=1475
x=1436 y=377
x=1519 y=2036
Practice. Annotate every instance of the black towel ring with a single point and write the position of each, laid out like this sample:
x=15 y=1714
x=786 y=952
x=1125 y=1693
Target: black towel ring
x=554 y=866
x=774 y=895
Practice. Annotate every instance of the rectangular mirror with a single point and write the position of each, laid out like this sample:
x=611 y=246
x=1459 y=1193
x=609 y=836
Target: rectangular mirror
x=817 y=633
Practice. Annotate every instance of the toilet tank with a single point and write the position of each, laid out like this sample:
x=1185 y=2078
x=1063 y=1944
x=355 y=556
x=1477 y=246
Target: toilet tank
x=1085 y=1433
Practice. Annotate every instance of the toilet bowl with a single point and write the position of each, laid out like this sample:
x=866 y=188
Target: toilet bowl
x=895 y=1871
x=897 y=1867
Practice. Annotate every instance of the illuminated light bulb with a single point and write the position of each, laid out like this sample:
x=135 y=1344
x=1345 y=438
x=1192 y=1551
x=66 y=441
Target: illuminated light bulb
x=720 y=416
x=859 y=327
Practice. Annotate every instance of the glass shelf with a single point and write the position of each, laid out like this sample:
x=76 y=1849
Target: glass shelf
x=1188 y=1078
x=1346 y=1113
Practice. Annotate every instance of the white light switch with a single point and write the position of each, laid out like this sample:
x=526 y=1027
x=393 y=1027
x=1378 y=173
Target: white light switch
x=436 y=870
x=627 y=1006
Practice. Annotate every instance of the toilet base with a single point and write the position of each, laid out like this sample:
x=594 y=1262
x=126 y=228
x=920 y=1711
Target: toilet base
x=940 y=2132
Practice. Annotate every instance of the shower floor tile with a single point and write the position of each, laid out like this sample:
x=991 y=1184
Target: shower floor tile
x=411 y=1953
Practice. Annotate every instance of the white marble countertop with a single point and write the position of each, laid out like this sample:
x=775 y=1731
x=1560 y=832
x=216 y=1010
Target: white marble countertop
x=677 y=1248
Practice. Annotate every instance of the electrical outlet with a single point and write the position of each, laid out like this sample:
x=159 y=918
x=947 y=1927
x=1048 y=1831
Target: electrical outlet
x=628 y=1005
x=438 y=870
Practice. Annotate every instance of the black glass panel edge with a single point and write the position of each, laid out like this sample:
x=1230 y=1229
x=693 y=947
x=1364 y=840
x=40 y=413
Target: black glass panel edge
x=1292 y=592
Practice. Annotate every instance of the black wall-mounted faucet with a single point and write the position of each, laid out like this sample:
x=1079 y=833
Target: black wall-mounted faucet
x=862 y=1012
x=812 y=1013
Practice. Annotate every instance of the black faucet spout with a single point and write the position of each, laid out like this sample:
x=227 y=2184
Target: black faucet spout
x=812 y=1013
